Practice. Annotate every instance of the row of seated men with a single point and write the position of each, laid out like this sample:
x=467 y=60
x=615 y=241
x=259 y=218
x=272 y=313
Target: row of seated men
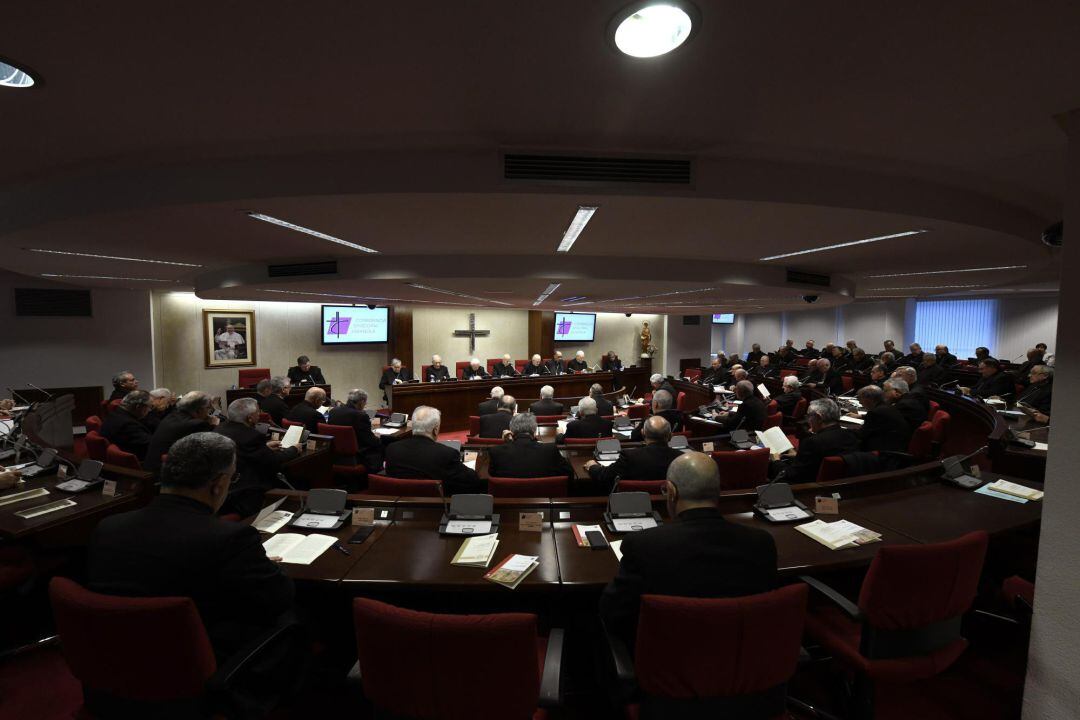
x=397 y=373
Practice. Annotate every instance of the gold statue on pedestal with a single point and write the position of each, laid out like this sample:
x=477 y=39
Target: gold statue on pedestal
x=646 y=339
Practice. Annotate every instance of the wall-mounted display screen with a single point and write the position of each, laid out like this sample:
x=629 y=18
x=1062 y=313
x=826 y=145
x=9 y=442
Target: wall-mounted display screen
x=571 y=327
x=349 y=324
x=723 y=318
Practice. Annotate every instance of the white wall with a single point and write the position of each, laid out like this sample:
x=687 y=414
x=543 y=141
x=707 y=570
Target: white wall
x=685 y=341
x=871 y=323
x=615 y=331
x=75 y=351
x=433 y=334
x=1025 y=322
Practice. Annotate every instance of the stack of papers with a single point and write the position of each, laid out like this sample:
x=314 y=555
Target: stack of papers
x=1011 y=488
x=579 y=533
x=775 y=439
x=270 y=519
x=470 y=459
x=476 y=551
x=838 y=535
x=785 y=514
x=616 y=547
x=633 y=524
x=511 y=571
x=852 y=420
x=298 y=549
x=385 y=431
x=292 y=436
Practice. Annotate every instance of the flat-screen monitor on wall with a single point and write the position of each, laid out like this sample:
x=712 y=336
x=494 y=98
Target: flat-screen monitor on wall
x=723 y=318
x=351 y=325
x=575 y=327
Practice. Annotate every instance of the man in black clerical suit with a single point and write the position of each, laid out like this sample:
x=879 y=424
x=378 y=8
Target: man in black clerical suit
x=176 y=547
x=579 y=363
x=787 y=401
x=162 y=402
x=474 y=371
x=258 y=460
x=914 y=356
x=194 y=413
x=421 y=456
x=888 y=347
x=493 y=425
x=394 y=375
x=750 y=415
x=662 y=402
x=352 y=414
x=523 y=457
x=755 y=354
x=659 y=382
x=304 y=373
x=307 y=412
x=930 y=373
x=944 y=358
x=1034 y=357
x=535 y=367
x=810 y=351
x=884 y=428
x=1038 y=394
x=436 y=371
x=545 y=405
x=588 y=424
x=785 y=355
x=715 y=374
x=765 y=369
x=505 y=368
x=611 y=362
x=915 y=408
x=124 y=426
x=994 y=382
x=860 y=362
x=491 y=404
x=878 y=375
x=272 y=394
x=699 y=554
x=556 y=365
x=123 y=382
x=839 y=359
x=827 y=438
x=649 y=462
x=604 y=407
x=983 y=353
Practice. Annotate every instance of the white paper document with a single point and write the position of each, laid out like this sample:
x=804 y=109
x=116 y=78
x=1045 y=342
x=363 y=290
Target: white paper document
x=1011 y=488
x=634 y=524
x=1041 y=446
x=775 y=439
x=385 y=431
x=298 y=549
x=786 y=513
x=468 y=527
x=270 y=519
x=764 y=391
x=477 y=551
x=616 y=547
x=292 y=436
x=986 y=490
x=852 y=420
x=317 y=522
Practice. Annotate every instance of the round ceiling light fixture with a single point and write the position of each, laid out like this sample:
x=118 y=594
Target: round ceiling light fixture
x=11 y=76
x=654 y=28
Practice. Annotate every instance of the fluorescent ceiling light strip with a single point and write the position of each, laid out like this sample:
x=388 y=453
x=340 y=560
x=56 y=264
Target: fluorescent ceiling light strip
x=547 y=292
x=926 y=287
x=946 y=272
x=842 y=245
x=363 y=297
x=308 y=231
x=104 y=277
x=577 y=225
x=112 y=257
x=455 y=293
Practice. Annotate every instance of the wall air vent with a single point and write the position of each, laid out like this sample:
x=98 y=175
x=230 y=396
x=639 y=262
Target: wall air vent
x=302 y=269
x=805 y=278
x=582 y=169
x=39 y=302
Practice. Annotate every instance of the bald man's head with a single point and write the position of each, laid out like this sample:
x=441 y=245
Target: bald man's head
x=695 y=479
x=656 y=429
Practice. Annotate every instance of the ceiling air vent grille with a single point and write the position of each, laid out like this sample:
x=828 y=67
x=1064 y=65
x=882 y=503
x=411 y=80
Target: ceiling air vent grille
x=303 y=269
x=581 y=169
x=39 y=302
x=805 y=278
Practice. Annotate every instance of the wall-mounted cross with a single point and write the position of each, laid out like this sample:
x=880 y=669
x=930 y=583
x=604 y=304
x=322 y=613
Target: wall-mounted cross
x=472 y=333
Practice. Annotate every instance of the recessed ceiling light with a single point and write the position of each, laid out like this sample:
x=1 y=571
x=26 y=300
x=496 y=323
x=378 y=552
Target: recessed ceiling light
x=104 y=277
x=308 y=231
x=945 y=272
x=455 y=293
x=650 y=29
x=842 y=245
x=581 y=219
x=547 y=291
x=112 y=257
x=13 y=77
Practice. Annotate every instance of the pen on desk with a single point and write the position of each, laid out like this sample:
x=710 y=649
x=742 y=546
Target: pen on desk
x=341 y=547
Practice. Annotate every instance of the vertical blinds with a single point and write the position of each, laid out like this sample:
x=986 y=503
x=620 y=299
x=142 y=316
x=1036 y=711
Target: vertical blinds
x=963 y=325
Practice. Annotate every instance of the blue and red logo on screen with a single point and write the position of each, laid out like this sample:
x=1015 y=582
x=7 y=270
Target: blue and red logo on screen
x=338 y=325
x=563 y=328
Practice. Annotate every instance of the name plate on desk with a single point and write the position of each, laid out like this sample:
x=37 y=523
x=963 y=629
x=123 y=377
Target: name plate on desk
x=363 y=516
x=108 y=488
x=531 y=521
x=312 y=445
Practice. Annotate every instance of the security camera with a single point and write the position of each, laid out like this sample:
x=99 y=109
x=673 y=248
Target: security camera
x=372 y=307
x=1051 y=236
x=810 y=299
x=629 y=314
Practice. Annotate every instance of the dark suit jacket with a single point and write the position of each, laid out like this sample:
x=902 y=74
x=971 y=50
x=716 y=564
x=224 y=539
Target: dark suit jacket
x=751 y=414
x=176 y=547
x=154 y=418
x=126 y=432
x=576 y=366
x=814 y=448
x=314 y=374
x=274 y=406
x=527 y=458
x=1000 y=383
x=547 y=407
x=467 y=373
x=1036 y=395
x=913 y=410
x=649 y=462
x=303 y=412
x=439 y=373
x=118 y=394
x=884 y=428
x=589 y=426
x=257 y=465
x=176 y=425
x=422 y=457
x=556 y=367
x=531 y=369
x=862 y=366
x=912 y=360
x=719 y=376
x=788 y=401
x=946 y=360
x=608 y=365
x=674 y=418
x=389 y=376
x=493 y=424
x=488 y=406
x=699 y=555
x=504 y=369
x=665 y=385
x=932 y=375
x=810 y=353
x=371 y=447
x=604 y=407
x=754 y=356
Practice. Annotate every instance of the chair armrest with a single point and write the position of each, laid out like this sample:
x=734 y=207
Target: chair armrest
x=354 y=677
x=621 y=658
x=229 y=672
x=551 y=680
x=850 y=609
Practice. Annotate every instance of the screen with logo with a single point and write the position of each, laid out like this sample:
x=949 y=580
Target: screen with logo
x=723 y=318
x=346 y=324
x=578 y=327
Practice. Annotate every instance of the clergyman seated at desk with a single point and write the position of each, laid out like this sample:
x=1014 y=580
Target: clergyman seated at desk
x=649 y=462
x=491 y=404
x=579 y=363
x=662 y=402
x=304 y=373
x=545 y=405
x=307 y=412
x=123 y=382
x=193 y=414
x=258 y=460
x=124 y=426
x=474 y=371
x=436 y=372
x=556 y=365
x=995 y=382
x=272 y=394
x=750 y=415
x=352 y=414
x=611 y=362
x=1038 y=394
x=791 y=396
x=422 y=457
x=505 y=368
x=913 y=408
x=162 y=402
x=395 y=375
x=884 y=428
x=699 y=554
x=535 y=367
x=522 y=456
x=176 y=547
x=604 y=407
x=588 y=424
x=493 y=425
x=827 y=438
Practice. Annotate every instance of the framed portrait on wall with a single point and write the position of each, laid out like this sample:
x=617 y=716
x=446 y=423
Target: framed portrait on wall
x=229 y=338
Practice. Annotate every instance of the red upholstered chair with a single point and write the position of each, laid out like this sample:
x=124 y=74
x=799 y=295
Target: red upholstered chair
x=548 y=420
x=474 y=424
x=107 y=406
x=1018 y=592
x=491 y=363
x=772 y=407
x=501 y=668
x=290 y=423
x=528 y=487
x=934 y=407
x=93 y=423
x=347 y=468
x=906 y=625
x=423 y=372
x=921 y=445
x=787 y=372
x=477 y=440
x=848 y=382
x=742 y=469
x=115 y=456
x=680 y=402
x=939 y=425
x=520 y=364
x=832 y=467
x=250 y=377
x=265 y=418
x=637 y=412
x=97 y=446
x=692 y=373
x=459 y=367
x=802 y=362
x=653 y=487
x=800 y=409
x=383 y=485
x=713 y=657
x=774 y=420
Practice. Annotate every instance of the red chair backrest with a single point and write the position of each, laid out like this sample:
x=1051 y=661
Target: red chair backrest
x=148 y=649
x=800 y=409
x=848 y=382
x=107 y=406
x=802 y=362
x=772 y=407
x=774 y=420
x=265 y=418
x=383 y=485
x=97 y=446
x=832 y=467
x=491 y=363
x=584 y=441
x=344 y=442
x=93 y=423
x=477 y=440
x=742 y=469
x=680 y=401
x=519 y=364
x=459 y=366
x=290 y=423
x=940 y=426
x=495 y=671
x=115 y=456
x=424 y=372
x=549 y=420
x=922 y=441
x=692 y=373
x=528 y=487
x=653 y=487
x=934 y=407
x=718 y=647
x=250 y=377
x=637 y=412
x=474 y=424
x=788 y=372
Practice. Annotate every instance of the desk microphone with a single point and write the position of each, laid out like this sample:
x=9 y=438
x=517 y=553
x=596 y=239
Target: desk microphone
x=19 y=397
x=44 y=392
x=951 y=382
